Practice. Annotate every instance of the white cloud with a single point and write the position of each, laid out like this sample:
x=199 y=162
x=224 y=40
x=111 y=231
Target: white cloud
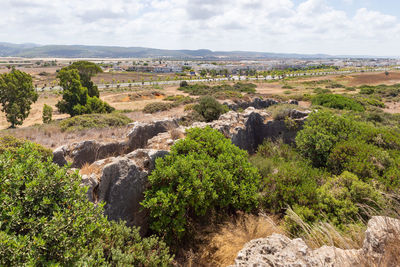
x=275 y=25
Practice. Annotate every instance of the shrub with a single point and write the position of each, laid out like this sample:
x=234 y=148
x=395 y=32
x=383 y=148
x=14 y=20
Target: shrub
x=281 y=111
x=204 y=174
x=367 y=90
x=221 y=90
x=209 y=108
x=90 y=121
x=95 y=105
x=365 y=160
x=337 y=102
x=319 y=90
x=292 y=182
x=47 y=114
x=47 y=220
x=341 y=200
x=183 y=84
x=11 y=144
x=157 y=107
x=321 y=132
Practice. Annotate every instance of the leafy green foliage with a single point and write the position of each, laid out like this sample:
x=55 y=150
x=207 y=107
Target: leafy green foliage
x=364 y=160
x=47 y=114
x=313 y=193
x=204 y=174
x=76 y=100
x=16 y=96
x=340 y=200
x=86 y=71
x=286 y=180
x=157 y=107
x=321 y=131
x=209 y=108
x=94 y=121
x=337 y=102
x=219 y=90
x=45 y=219
x=11 y=144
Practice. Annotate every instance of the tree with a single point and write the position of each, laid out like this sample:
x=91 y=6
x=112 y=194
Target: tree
x=74 y=94
x=16 y=96
x=86 y=71
x=76 y=100
x=47 y=114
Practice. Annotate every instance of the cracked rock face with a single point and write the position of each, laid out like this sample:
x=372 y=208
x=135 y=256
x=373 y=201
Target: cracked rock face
x=279 y=250
x=90 y=151
x=120 y=182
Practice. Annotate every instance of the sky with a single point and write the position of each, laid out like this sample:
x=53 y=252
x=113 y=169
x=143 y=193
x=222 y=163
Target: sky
x=335 y=27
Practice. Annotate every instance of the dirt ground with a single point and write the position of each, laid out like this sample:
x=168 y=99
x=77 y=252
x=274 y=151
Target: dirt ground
x=128 y=100
x=119 y=100
x=373 y=78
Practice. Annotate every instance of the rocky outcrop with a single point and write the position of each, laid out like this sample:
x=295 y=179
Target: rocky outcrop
x=90 y=151
x=250 y=128
x=120 y=182
x=256 y=103
x=142 y=132
x=279 y=250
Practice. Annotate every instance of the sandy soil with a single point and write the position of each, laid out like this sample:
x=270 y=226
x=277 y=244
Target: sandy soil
x=373 y=78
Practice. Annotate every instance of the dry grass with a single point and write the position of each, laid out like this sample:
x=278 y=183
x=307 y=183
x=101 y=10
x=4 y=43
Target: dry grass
x=88 y=169
x=325 y=233
x=220 y=244
x=52 y=137
x=176 y=134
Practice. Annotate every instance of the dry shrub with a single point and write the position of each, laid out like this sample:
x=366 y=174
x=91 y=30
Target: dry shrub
x=88 y=169
x=176 y=134
x=220 y=244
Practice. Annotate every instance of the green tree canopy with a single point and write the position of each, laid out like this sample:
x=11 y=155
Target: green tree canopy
x=74 y=94
x=86 y=71
x=16 y=96
x=76 y=99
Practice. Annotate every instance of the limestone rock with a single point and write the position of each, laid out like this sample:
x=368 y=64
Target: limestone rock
x=142 y=132
x=59 y=155
x=279 y=250
x=120 y=183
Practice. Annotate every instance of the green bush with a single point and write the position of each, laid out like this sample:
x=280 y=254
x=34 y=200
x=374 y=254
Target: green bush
x=321 y=132
x=342 y=200
x=180 y=99
x=209 y=108
x=157 y=107
x=204 y=174
x=47 y=114
x=46 y=220
x=367 y=90
x=97 y=121
x=365 y=160
x=183 y=84
x=337 y=102
x=220 y=90
x=95 y=105
x=319 y=90
x=292 y=182
x=12 y=144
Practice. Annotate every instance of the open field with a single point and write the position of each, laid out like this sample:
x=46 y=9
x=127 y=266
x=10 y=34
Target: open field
x=133 y=100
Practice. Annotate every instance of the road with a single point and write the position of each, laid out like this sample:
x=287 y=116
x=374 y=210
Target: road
x=233 y=78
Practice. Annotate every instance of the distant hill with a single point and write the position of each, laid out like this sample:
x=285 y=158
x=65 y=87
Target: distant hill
x=84 y=51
